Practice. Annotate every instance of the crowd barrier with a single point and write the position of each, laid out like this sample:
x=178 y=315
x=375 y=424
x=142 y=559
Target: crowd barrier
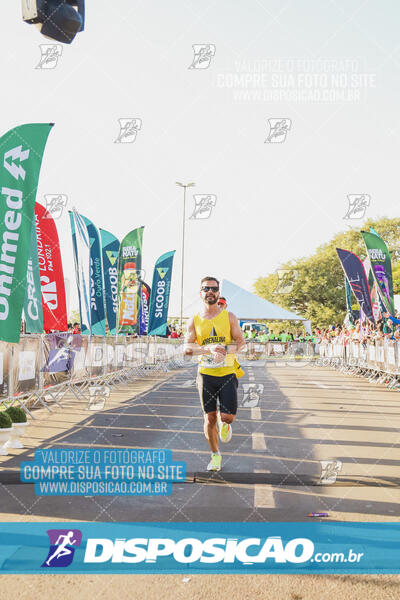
x=377 y=360
x=41 y=369
x=257 y=350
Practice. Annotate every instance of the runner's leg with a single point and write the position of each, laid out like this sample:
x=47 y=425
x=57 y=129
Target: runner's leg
x=208 y=399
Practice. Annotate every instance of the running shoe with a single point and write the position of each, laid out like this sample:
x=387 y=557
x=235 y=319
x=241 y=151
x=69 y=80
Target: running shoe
x=225 y=432
x=215 y=462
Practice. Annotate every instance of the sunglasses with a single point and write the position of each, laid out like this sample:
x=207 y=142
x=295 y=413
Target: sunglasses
x=207 y=288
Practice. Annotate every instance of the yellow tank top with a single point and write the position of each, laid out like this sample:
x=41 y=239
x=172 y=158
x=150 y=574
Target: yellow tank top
x=214 y=331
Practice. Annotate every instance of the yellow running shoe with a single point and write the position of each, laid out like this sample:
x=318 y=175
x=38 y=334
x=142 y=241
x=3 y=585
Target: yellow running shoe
x=225 y=432
x=215 y=462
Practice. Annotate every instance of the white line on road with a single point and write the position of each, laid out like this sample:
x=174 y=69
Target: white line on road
x=263 y=494
x=256 y=413
x=258 y=441
x=320 y=385
x=251 y=377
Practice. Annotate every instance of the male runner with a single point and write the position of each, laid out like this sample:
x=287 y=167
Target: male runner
x=208 y=335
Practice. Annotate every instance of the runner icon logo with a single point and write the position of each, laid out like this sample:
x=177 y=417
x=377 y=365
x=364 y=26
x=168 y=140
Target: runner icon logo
x=128 y=129
x=358 y=204
x=204 y=203
x=63 y=543
x=330 y=469
x=50 y=53
x=252 y=394
x=203 y=54
x=55 y=204
x=278 y=129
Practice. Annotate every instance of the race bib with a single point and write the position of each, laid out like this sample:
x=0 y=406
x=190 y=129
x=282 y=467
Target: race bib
x=207 y=361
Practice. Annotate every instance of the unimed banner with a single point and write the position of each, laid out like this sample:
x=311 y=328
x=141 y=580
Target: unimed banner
x=97 y=313
x=110 y=250
x=21 y=153
x=357 y=278
x=129 y=279
x=51 y=271
x=160 y=290
x=381 y=263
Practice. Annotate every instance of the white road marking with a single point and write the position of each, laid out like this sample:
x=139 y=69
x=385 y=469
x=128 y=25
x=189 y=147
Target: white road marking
x=258 y=441
x=320 y=385
x=263 y=494
x=256 y=413
x=251 y=378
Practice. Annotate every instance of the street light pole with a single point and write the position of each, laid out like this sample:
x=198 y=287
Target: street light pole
x=184 y=186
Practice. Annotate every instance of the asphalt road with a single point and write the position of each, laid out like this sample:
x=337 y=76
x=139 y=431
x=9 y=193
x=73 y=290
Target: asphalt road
x=271 y=467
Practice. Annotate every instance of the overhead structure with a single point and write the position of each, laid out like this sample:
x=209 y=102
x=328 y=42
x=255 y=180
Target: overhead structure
x=248 y=306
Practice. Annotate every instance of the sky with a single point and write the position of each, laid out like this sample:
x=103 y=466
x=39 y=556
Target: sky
x=327 y=71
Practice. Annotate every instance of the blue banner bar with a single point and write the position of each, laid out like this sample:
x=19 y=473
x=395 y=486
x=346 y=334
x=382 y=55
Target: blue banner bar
x=200 y=548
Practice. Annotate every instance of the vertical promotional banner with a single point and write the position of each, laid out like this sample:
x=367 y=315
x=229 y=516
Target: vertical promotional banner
x=348 y=301
x=381 y=263
x=110 y=250
x=160 y=294
x=80 y=245
x=375 y=298
x=144 y=308
x=51 y=271
x=129 y=268
x=357 y=278
x=21 y=153
x=33 y=309
x=97 y=313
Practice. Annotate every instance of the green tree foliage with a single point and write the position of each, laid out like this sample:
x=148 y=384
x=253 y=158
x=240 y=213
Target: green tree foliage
x=314 y=286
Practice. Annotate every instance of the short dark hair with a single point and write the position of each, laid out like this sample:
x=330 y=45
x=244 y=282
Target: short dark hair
x=209 y=279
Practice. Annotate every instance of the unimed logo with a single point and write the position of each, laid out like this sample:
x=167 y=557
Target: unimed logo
x=190 y=550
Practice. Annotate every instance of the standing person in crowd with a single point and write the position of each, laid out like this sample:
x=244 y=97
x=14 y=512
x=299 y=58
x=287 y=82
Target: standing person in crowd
x=223 y=303
x=76 y=328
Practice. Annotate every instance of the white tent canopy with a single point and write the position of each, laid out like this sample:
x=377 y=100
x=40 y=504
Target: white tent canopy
x=248 y=306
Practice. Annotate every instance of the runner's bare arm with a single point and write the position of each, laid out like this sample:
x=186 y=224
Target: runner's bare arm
x=191 y=347
x=237 y=335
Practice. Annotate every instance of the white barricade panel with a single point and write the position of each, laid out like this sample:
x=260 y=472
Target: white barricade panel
x=119 y=355
x=26 y=365
x=5 y=351
x=391 y=356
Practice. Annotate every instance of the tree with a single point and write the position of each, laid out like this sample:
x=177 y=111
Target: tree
x=314 y=287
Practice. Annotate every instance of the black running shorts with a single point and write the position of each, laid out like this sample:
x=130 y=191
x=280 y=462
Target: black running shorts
x=223 y=389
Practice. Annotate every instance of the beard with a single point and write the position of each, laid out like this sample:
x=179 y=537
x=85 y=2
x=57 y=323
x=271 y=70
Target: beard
x=211 y=300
